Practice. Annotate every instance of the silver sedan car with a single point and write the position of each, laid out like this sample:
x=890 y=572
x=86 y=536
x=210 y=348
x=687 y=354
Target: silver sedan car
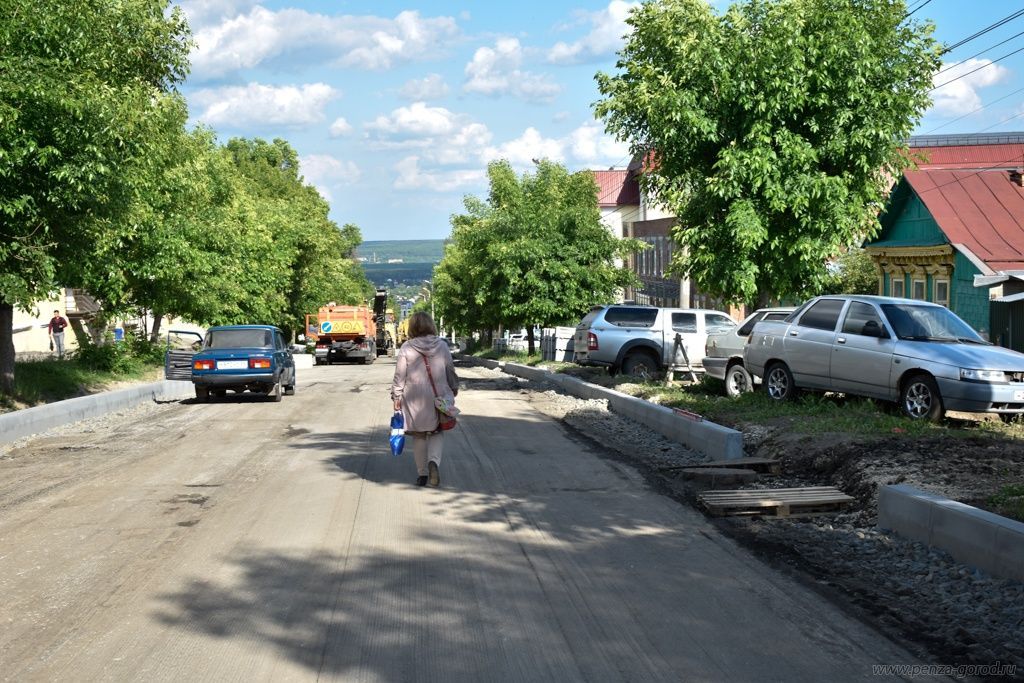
x=916 y=353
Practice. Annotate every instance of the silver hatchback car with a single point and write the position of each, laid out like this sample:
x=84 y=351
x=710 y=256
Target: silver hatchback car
x=917 y=353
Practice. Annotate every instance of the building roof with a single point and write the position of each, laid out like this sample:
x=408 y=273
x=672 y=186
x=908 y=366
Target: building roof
x=982 y=211
x=974 y=151
x=617 y=188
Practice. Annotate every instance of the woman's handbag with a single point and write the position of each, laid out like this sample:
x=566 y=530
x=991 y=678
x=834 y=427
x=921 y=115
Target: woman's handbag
x=446 y=410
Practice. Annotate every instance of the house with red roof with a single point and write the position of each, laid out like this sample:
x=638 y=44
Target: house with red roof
x=953 y=232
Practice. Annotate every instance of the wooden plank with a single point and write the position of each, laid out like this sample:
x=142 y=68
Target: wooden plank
x=757 y=464
x=792 y=502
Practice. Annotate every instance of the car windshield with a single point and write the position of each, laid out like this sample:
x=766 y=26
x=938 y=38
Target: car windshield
x=929 y=323
x=233 y=339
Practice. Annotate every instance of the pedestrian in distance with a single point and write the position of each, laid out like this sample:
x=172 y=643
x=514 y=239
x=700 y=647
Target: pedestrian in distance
x=56 y=329
x=424 y=371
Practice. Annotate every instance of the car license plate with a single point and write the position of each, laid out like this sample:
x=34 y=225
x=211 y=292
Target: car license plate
x=232 y=364
x=1018 y=396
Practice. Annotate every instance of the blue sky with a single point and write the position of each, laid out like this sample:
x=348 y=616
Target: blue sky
x=395 y=108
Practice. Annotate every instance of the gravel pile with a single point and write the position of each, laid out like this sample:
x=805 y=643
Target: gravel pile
x=914 y=593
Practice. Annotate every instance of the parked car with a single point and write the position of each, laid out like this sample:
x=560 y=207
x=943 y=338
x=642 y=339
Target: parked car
x=723 y=352
x=238 y=358
x=916 y=353
x=639 y=340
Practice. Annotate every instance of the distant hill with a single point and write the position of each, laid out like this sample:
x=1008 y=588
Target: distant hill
x=409 y=251
x=395 y=274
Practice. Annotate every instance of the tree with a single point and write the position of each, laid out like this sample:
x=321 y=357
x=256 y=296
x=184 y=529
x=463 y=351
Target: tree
x=82 y=83
x=534 y=253
x=771 y=130
x=853 y=272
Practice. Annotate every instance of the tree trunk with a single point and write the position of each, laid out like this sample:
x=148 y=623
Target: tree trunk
x=158 y=318
x=529 y=340
x=6 y=348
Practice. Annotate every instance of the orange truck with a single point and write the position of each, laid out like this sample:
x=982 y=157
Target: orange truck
x=343 y=333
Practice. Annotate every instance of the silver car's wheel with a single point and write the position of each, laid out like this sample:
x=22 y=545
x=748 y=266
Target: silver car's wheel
x=737 y=380
x=920 y=399
x=778 y=383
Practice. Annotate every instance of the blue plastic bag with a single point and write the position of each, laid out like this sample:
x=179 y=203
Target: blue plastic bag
x=397 y=433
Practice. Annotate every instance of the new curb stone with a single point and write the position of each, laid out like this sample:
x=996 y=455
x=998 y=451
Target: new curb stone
x=711 y=439
x=22 y=423
x=975 y=537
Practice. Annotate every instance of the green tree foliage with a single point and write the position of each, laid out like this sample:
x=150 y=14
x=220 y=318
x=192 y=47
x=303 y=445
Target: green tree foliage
x=83 y=86
x=534 y=253
x=770 y=130
x=853 y=272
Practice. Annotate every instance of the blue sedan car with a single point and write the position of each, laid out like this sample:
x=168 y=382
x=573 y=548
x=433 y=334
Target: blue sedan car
x=243 y=357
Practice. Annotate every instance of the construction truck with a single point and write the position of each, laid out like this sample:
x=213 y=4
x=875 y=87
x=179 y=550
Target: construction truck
x=343 y=333
x=385 y=331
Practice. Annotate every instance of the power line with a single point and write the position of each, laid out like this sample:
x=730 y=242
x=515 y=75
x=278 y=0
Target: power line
x=910 y=12
x=983 y=66
x=951 y=66
x=975 y=111
x=978 y=34
x=1010 y=118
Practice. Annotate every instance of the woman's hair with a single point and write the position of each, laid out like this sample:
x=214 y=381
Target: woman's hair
x=421 y=324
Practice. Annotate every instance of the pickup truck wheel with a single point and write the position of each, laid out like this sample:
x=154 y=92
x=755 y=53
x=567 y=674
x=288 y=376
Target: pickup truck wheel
x=920 y=399
x=640 y=365
x=737 y=380
x=778 y=383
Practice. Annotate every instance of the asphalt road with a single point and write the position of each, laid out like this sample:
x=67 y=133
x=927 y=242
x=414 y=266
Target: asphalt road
x=254 y=541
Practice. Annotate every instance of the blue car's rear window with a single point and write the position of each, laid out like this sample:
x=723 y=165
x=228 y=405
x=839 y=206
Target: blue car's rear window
x=233 y=339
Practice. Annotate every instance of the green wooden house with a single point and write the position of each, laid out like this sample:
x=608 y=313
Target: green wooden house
x=956 y=237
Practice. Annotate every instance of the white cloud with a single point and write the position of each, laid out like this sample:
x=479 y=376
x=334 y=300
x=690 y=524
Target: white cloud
x=467 y=142
x=203 y=12
x=420 y=89
x=325 y=172
x=412 y=177
x=960 y=96
x=446 y=137
x=523 y=150
x=416 y=120
x=368 y=42
x=590 y=144
x=340 y=127
x=608 y=27
x=254 y=103
x=495 y=71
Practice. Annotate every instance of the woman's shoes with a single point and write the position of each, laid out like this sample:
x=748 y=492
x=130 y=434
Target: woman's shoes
x=421 y=481
x=434 y=473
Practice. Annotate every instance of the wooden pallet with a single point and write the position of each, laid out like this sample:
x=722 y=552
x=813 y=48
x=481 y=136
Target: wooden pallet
x=767 y=465
x=799 y=502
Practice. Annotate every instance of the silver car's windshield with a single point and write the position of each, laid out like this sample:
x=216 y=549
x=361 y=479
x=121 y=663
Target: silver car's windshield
x=929 y=323
x=233 y=339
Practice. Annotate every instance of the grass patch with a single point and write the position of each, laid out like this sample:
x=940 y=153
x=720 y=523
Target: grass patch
x=45 y=381
x=1009 y=501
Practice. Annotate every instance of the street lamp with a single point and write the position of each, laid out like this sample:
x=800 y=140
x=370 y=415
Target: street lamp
x=430 y=290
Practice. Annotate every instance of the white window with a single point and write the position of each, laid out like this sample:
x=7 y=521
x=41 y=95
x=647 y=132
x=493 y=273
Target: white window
x=897 y=287
x=920 y=291
x=942 y=292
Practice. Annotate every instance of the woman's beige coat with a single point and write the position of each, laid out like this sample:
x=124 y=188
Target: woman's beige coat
x=412 y=386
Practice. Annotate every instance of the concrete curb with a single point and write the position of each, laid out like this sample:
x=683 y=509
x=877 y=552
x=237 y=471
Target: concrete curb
x=711 y=439
x=974 y=537
x=22 y=423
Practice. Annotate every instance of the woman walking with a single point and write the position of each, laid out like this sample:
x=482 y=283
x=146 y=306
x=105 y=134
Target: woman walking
x=424 y=371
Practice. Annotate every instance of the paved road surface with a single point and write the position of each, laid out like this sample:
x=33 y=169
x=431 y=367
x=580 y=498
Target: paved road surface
x=252 y=541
